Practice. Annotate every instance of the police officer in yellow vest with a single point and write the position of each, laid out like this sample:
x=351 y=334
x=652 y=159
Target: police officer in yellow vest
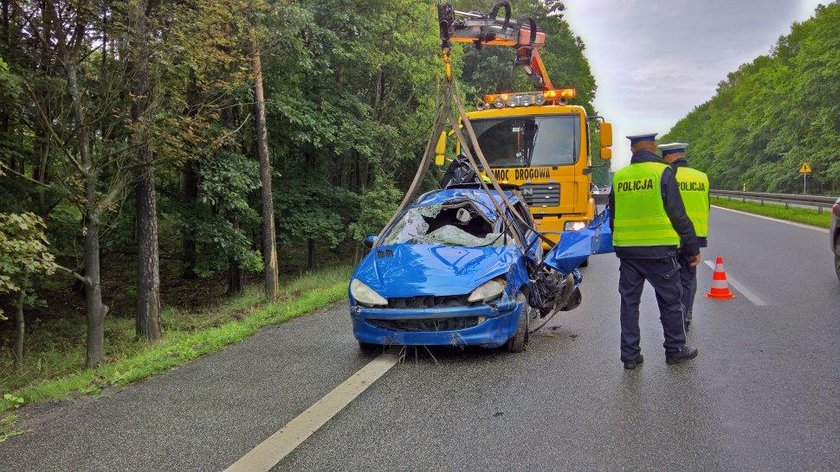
x=694 y=189
x=649 y=222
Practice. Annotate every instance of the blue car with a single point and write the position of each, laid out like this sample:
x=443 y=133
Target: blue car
x=450 y=271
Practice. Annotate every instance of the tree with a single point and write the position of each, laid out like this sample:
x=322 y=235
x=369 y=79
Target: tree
x=269 y=240
x=68 y=33
x=147 y=315
x=774 y=113
x=24 y=255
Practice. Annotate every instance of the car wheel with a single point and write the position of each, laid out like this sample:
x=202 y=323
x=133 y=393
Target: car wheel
x=837 y=260
x=520 y=339
x=585 y=263
x=369 y=349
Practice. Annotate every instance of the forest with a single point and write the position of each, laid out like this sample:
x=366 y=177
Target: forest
x=158 y=153
x=773 y=114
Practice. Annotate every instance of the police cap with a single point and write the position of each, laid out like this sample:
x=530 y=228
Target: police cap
x=634 y=140
x=672 y=148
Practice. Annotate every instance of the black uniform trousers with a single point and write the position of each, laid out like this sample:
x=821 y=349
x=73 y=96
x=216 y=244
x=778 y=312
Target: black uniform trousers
x=663 y=275
x=688 y=280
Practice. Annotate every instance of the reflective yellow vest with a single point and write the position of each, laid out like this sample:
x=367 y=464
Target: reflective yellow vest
x=694 y=189
x=640 y=217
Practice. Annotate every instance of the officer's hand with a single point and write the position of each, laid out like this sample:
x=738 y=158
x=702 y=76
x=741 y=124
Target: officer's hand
x=695 y=261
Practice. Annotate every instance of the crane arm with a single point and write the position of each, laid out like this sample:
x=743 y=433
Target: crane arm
x=489 y=30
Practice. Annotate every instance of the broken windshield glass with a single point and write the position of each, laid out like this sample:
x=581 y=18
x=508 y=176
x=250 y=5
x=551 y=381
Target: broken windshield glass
x=459 y=224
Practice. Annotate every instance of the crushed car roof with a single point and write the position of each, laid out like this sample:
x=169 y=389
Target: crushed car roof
x=477 y=195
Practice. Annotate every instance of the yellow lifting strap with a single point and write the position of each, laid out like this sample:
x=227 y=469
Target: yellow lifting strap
x=456 y=118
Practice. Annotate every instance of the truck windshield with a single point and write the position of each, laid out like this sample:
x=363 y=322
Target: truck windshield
x=524 y=141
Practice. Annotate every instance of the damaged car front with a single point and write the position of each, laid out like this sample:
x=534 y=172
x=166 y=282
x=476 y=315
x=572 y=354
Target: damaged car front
x=448 y=271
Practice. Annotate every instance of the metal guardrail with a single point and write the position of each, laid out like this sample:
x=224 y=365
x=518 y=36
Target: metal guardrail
x=818 y=201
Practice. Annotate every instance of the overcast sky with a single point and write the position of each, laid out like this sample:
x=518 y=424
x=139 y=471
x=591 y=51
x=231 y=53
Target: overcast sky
x=655 y=60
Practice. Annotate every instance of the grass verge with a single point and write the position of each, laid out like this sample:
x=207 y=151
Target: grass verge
x=800 y=215
x=187 y=336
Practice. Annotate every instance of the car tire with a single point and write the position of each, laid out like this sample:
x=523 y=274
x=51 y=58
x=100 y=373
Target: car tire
x=585 y=263
x=519 y=341
x=369 y=349
x=837 y=258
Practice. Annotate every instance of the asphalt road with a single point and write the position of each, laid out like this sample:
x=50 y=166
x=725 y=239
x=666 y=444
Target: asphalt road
x=761 y=395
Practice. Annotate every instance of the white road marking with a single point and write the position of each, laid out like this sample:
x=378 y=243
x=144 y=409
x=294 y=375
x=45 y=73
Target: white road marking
x=277 y=446
x=755 y=299
x=792 y=223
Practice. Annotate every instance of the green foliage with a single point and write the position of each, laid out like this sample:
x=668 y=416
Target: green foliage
x=774 y=113
x=11 y=402
x=378 y=204
x=312 y=210
x=9 y=82
x=24 y=252
x=224 y=211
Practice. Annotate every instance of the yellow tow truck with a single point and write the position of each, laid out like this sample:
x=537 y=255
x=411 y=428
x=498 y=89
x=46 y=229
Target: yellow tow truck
x=536 y=139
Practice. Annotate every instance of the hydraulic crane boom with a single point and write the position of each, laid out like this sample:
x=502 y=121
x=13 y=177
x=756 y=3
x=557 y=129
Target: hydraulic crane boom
x=487 y=29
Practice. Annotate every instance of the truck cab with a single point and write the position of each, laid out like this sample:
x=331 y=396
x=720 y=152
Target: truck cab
x=537 y=141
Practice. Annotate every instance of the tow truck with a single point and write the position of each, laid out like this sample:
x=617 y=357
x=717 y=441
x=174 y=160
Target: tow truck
x=464 y=265
x=533 y=139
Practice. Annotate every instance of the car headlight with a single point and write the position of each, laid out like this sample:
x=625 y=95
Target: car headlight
x=490 y=290
x=366 y=295
x=574 y=226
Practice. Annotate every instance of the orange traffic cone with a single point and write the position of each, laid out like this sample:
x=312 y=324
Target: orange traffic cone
x=720 y=287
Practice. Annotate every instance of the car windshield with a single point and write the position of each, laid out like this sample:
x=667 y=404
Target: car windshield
x=457 y=224
x=524 y=141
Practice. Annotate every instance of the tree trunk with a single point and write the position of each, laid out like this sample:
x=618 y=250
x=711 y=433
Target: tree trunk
x=236 y=279
x=189 y=188
x=20 y=330
x=310 y=254
x=93 y=288
x=148 y=278
x=147 y=314
x=96 y=310
x=272 y=277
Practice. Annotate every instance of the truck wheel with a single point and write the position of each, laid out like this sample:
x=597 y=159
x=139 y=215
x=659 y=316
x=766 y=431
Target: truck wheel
x=520 y=339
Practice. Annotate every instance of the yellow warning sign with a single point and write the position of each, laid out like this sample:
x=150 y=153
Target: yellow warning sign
x=805 y=169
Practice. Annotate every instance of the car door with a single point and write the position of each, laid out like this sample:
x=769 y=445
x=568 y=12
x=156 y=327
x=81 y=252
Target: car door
x=576 y=246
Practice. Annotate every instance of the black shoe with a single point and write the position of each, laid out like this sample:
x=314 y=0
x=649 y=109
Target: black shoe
x=686 y=354
x=630 y=365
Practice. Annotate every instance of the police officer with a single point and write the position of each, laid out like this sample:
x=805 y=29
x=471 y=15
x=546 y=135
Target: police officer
x=694 y=189
x=649 y=222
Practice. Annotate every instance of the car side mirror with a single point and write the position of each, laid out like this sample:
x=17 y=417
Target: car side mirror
x=370 y=241
x=606 y=154
x=606 y=135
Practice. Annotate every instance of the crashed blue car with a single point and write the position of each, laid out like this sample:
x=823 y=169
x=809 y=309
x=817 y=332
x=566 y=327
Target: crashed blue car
x=450 y=271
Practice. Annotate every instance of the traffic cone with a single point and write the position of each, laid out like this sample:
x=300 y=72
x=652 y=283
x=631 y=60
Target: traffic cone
x=720 y=287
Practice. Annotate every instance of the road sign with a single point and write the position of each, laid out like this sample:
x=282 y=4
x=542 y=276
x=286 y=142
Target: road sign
x=805 y=169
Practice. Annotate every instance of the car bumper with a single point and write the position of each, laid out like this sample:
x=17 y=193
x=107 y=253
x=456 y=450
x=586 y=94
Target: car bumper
x=498 y=326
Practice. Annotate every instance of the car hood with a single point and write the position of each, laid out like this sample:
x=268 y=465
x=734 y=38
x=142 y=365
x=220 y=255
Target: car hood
x=410 y=270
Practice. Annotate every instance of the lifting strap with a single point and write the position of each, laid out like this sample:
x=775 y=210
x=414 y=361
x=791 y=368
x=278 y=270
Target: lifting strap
x=456 y=118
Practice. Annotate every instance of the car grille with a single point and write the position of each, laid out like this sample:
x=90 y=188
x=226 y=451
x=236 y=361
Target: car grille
x=541 y=195
x=428 y=324
x=429 y=302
